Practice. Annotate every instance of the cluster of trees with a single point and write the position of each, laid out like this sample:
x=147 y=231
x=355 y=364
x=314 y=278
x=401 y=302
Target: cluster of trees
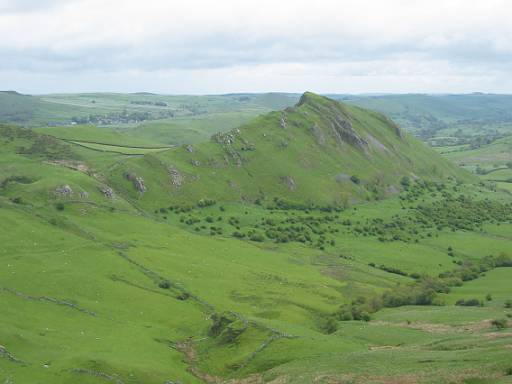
x=424 y=290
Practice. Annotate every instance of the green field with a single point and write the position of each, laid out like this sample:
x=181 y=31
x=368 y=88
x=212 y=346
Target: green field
x=318 y=244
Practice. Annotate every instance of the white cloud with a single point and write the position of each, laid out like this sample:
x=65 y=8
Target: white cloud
x=383 y=45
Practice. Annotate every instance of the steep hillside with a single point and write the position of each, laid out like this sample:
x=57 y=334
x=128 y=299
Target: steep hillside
x=320 y=152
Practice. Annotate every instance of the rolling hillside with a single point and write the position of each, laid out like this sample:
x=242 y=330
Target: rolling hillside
x=320 y=244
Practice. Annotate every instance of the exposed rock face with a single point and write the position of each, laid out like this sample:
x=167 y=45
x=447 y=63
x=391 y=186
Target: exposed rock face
x=64 y=191
x=289 y=182
x=336 y=118
x=283 y=121
x=377 y=144
x=234 y=156
x=138 y=182
x=107 y=192
x=344 y=132
x=176 y=177
x=195 y=163
x=189 y=148
x=317 y=132
x=84 y=195
x=224 y=138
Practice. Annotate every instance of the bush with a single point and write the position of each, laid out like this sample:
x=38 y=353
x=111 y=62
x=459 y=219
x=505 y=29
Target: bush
x=17 y=200
x=355 y=179
x=59 y=206
x=257 y=237
x=183 y=296
x=165 y=284
x=508 y=304
x=488 y=297
x=469 y=303
x=206 y=203
x=330 y=325
x=405 y=181
x=499 y=323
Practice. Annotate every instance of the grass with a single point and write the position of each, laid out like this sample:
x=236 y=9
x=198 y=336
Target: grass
x=125 y=150
x=122 y=290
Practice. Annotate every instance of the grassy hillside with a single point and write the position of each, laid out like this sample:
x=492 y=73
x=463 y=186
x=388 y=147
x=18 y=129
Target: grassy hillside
x=319 y=152
x=114 y=269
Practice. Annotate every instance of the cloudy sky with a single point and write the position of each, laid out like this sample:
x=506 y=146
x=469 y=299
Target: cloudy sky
x=205 y=46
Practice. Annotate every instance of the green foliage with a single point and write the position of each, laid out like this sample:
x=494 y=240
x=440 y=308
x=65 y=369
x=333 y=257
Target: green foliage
x=469 y=303
x=499 y=323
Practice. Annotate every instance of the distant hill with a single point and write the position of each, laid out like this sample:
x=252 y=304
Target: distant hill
x=429 y=115
x=319 y=151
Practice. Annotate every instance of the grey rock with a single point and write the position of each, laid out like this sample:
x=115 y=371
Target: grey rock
x=283 y=121
x=176 y=177
x=107 y=192
x=64 y=191
x=318 y=133
x=289 y=182
x=137 y=181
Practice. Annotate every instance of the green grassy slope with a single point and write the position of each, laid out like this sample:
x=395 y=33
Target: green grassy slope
x=98 y=288
x=306 y=154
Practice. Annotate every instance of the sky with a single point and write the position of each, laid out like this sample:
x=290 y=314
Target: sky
x=224 y=46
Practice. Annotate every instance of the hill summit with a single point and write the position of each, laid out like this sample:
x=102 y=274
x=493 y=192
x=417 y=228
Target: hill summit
x=320 y=152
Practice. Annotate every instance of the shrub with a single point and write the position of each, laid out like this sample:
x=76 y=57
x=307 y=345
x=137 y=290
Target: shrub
x=257 y=237
x=330 y=325
x=508 y=304
x=17 y=200
x=499 y=323
x=405 y=181
x=355 y=179
x=488 y=297
x=165 y=284
x=59 y=206
x=206 y=203
x=469 y=303
x=183 y=296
